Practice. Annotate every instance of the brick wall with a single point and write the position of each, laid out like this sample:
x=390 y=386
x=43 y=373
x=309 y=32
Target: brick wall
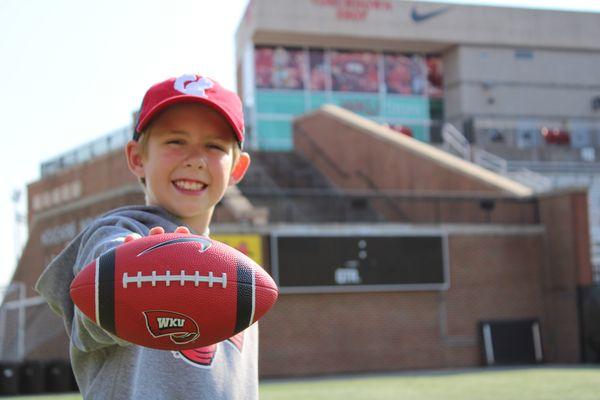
x=356 y=154
x=567 y=266
x=348 y=148
x=101 y=175
x=493 y=276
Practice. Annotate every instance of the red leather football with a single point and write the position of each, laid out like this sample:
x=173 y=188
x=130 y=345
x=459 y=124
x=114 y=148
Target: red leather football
x=173 y=291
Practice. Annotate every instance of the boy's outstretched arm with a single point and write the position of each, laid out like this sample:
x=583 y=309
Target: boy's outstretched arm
x=83 y=326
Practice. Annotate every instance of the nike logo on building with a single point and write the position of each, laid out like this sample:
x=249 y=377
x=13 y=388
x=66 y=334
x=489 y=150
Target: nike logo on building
x=423 y=16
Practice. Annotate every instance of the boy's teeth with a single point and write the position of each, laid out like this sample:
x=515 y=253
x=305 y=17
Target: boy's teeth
x=187 y=185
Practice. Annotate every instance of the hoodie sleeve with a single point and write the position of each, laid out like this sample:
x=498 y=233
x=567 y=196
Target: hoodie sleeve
x=54 y=283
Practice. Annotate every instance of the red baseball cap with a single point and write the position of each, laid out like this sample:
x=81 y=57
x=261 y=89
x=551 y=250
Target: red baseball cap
x=191 y=89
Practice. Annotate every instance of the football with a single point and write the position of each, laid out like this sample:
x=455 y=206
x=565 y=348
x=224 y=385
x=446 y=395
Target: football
x=173 y=291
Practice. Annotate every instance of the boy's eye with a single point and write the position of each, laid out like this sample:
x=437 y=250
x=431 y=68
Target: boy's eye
x=175 y=141
x=216 y=146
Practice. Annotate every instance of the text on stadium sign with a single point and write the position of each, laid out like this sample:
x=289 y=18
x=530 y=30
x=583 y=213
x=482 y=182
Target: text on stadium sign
x=355 y=10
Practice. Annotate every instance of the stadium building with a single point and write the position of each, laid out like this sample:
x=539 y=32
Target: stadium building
x=392 y=193
x=518 y=89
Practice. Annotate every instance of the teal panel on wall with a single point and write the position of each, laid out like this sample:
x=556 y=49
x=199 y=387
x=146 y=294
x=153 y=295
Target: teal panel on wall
x=317 y=99
x=275 y=135
x=279 y=102
x=361 y=103
x=420 y=132
x=406 y=107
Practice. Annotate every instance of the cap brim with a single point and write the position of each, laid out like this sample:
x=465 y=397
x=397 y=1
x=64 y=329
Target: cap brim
x=143 y=123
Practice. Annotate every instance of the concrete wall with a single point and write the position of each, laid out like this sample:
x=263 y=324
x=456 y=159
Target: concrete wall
x=387 y=24
x=503 y=67
x=495 y=83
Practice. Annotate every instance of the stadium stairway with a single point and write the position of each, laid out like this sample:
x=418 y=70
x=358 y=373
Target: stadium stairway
x=294 y=191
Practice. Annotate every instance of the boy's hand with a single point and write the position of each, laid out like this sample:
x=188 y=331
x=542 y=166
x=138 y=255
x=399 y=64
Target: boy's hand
x=157 y=230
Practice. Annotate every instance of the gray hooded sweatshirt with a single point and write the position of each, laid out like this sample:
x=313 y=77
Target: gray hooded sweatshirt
x=105 y=366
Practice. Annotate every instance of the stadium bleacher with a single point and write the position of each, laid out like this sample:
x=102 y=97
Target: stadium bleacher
x=293 y=190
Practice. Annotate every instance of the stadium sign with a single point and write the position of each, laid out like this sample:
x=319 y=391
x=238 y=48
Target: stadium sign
x=348 y=262
x=355 y=10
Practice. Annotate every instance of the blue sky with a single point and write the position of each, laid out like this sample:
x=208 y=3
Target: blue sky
x=74 y=70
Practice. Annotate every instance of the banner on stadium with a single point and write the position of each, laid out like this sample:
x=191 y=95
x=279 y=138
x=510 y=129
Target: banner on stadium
x=250 y=245
x=395 y=88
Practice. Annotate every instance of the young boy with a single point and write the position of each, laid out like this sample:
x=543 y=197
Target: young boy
x=186 y=151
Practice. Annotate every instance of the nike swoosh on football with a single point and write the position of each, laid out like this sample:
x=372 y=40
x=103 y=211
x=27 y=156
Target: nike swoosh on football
x=420 y=17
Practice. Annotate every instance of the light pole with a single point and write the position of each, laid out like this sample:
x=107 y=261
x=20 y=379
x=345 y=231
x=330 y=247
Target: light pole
x=19 y=221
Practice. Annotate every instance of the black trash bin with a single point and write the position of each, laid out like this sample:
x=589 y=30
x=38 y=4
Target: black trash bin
x=58 y=376
x=32 y=377
x=9 y=379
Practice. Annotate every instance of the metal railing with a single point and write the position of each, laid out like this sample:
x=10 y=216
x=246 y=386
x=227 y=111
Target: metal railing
x=13 y=297
x=455 y=141
x=490 y=161
x=539 y=183
x=582 y=134
x=574 y=167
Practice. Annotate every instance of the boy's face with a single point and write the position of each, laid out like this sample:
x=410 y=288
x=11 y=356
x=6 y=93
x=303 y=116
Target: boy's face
x=188 y=161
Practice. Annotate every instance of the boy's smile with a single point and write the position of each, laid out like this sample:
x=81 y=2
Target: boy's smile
x=188 y=162
x=189 y=186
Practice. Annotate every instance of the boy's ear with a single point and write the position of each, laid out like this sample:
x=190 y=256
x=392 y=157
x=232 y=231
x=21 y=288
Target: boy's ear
x=135 y=161
x=240 y=168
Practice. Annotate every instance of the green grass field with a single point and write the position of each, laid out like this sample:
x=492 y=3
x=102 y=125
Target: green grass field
x=547 y=383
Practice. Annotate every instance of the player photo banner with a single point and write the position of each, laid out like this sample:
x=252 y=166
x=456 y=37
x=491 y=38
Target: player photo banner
x=279 y=68
x=405 y=75
x=435 y=76
x=354 y=72
x=319 y=75
x=348 y=71
x=400 y=89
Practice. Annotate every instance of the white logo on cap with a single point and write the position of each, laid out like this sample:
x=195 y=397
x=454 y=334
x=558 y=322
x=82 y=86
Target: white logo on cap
x=190 y=84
